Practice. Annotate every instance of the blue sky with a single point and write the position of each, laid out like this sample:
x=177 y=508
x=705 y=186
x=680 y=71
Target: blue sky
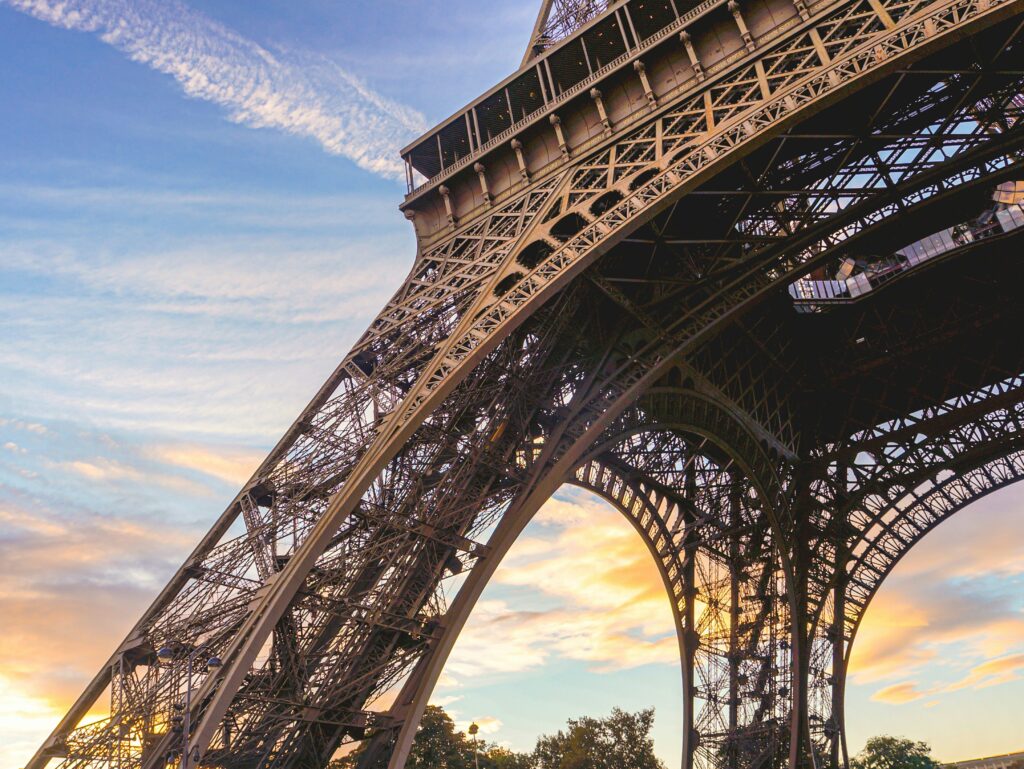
x=198 y=216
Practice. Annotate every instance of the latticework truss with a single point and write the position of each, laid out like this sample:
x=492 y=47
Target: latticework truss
x=626 y=296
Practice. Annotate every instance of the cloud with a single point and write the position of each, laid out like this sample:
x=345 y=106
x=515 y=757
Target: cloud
x=897 y=694
x=601 y=599
x=991 y=673
x=235 y=465
x=102 y=469
x=951 y=613
x=302 y=94
x=31 y=427
x=24 y=718
x=218 y=335
x=91 y=573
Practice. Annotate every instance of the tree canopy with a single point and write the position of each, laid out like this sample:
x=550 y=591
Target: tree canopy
x=618 y=741
x=886 y=752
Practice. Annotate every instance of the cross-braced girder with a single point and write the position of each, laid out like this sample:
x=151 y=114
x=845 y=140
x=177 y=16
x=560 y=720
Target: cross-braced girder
x=624 y=321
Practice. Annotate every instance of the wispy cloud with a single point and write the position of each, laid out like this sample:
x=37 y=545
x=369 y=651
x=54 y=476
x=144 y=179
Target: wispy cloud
x=948 y=622
x=991 y=673
x=233 y=465
x=300 y=93
x=897 y=694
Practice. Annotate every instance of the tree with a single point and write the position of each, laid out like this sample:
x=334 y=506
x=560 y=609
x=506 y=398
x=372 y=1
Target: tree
x=437 y=746
x=886 y=752
x=619 y=741
x=503 y=758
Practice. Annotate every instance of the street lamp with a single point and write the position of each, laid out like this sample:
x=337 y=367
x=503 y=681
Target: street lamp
x=168 y=654
x=473 y=729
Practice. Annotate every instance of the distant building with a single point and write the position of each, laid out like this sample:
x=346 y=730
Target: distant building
x=1005 y=761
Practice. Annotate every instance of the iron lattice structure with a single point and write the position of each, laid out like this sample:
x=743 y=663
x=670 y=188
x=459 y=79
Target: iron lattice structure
x=749 y=271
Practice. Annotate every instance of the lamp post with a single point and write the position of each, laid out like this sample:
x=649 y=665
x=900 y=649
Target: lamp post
x=168 y=654
x=473 y=729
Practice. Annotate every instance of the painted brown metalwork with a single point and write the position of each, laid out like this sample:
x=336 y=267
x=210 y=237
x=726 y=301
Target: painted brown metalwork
x=747 y=270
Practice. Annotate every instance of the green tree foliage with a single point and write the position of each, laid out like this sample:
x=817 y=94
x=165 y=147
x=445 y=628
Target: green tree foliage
x=894 y=753
x=619 y=741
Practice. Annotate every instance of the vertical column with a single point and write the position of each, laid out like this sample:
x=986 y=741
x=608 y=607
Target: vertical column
x=735 y=653
x=838 y=750
x=690 y=637
x=481 y=175
x=838 y=727
x=800 y=751
x=446 y=196
x=602 y=113
x=517 y=147
x=641 y=70
x=691 y=54
x=691 y=738
x=556 y=123
x=737 y=14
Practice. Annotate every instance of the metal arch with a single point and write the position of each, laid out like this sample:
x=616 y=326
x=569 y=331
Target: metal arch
x=945 y=500
x=607 y=481
x=981 y=433
x=976 y=428
x=707 y=417
x=955 y=494
x=459 y=353
x=411 y=377
x=695 y=414
x=707 y=424
x=719 y=523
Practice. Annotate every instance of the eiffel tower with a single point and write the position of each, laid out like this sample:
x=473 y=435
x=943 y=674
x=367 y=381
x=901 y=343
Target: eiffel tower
x=750 y=270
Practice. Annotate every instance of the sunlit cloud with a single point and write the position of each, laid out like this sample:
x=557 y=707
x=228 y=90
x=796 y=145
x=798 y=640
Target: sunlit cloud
x=92 y=573
x=948 y=612
x=234 y=465
x=23 y=718
x=102 y=469
x=610 y=608
x=991 y=673
x=302 y=94
x=897 y=694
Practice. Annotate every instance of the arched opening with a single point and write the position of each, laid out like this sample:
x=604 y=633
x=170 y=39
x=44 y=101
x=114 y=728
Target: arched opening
x=575 y=621
x=939 y=654
x=605 y=202
x=642 y=178
x=568 y=226
x=505 y=284
x=533 y=254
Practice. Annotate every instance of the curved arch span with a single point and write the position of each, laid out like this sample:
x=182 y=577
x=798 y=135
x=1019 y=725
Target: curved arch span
x=633 y=489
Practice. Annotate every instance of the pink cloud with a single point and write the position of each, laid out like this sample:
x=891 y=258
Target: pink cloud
x=611 y=608
x=991 y=673
x=897 y=694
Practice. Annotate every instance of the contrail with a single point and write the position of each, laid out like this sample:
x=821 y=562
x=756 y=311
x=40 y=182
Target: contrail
x=303 y=94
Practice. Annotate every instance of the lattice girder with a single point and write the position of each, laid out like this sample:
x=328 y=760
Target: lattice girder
x=347 y=566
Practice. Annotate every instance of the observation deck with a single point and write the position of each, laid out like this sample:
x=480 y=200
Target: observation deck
x=610 y=75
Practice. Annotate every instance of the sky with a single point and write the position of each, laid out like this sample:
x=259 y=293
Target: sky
x=198 y=217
